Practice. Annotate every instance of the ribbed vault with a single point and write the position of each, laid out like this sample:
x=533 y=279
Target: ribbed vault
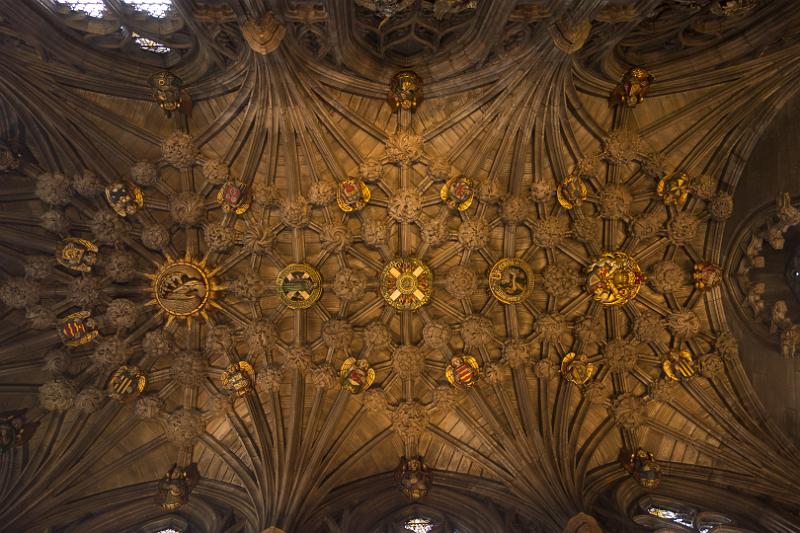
x=289 y=101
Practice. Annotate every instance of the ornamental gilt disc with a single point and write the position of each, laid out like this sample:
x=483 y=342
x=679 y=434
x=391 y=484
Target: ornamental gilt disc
x=299 y=286
x=614 y=278
x=406 y=284
x=181 y=288
x=511 y=280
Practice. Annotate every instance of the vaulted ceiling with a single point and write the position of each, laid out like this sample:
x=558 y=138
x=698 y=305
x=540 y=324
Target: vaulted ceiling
x=289 y=99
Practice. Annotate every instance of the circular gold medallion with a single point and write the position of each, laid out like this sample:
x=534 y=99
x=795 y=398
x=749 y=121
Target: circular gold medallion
x=299 y=286
x=406 y=283
x=181 y=288
x=614 y=278
x=511 y=280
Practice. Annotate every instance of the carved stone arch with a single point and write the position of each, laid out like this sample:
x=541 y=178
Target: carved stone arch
x=685 y=491
x=175 y=522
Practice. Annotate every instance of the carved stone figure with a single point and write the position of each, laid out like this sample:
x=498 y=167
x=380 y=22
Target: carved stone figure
x=403 y=148
x=405 y=90
x=779 y=318
x=633 y=87
x=405 y=205
x=356 y=376
x=790 y=340
x=349 y=284
x=183 y=427
x=642 y=466
x=414 y=477
x=264 y=34
x=754 y=301
x=176 y=486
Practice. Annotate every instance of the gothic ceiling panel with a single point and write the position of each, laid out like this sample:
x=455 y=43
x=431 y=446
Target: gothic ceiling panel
x=243 y=279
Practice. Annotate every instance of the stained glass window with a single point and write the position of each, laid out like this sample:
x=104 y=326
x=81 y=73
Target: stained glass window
x=684 y=519
x=95 y=8
x=150 y=45
x=419 y=525
x=154 y=8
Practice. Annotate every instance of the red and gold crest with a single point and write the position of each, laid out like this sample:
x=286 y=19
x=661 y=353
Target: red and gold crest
x=352 y=195
x=356 y=376
x=233 y=197
x=78 y=329
x=463 y=371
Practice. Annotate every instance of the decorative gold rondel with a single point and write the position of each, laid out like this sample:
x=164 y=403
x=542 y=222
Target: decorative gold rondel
x=406 y=284
x=614 y=278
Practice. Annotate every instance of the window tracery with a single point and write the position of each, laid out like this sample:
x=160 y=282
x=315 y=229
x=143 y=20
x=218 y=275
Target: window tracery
x=92 y=8
x=419 y=525
x=664 y=513
x=140 y=27
x=150 y=45
x=98 y=9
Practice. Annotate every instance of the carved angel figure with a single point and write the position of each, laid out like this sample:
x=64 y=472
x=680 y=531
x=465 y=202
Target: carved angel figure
x=754 y=297
x=790 y=339
x=779 y=320
x=787 y=214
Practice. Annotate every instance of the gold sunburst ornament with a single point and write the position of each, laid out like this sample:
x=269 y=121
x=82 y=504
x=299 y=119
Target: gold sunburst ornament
x=614 y=278
x=406 y=283
x=183 y=288
x=511 y=280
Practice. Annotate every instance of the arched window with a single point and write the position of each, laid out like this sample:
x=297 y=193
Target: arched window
x=166 y=524
x=418 y=525
x=659 y=513
x=97 y=8
x=142 y=14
